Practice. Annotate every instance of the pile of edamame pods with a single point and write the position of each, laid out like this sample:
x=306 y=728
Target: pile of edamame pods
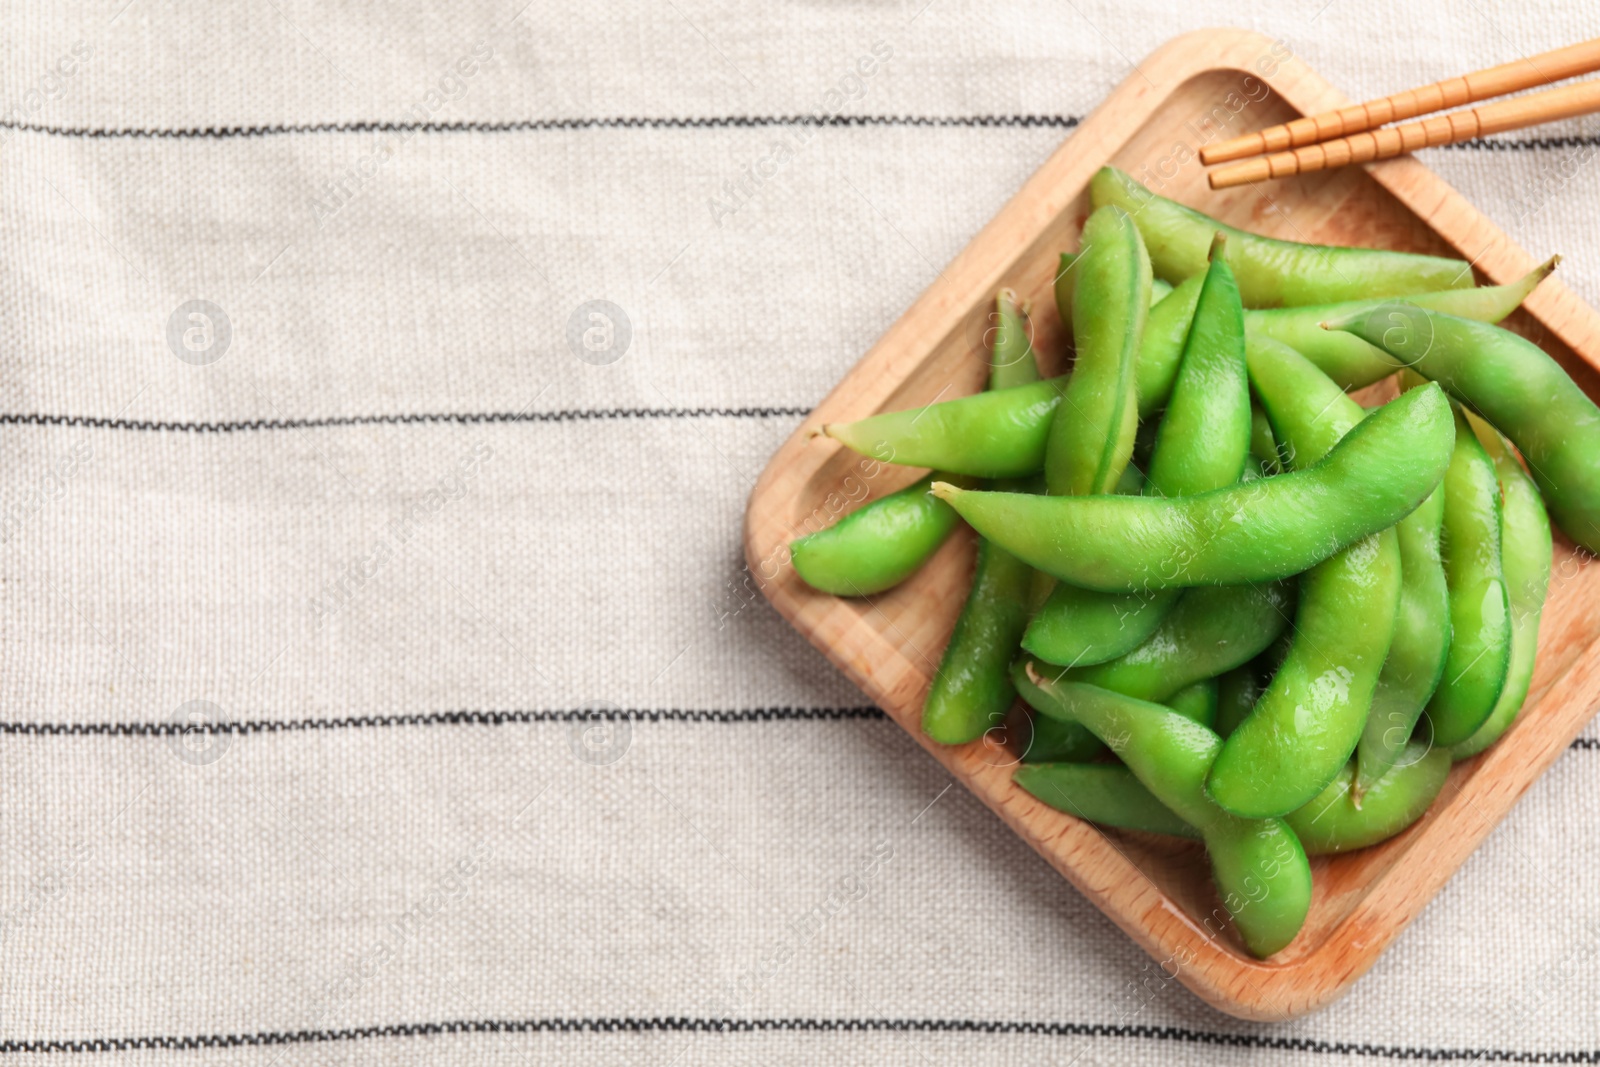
x=1243 y=608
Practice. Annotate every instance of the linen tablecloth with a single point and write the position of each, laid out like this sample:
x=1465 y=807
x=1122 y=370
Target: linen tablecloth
x=380 y=390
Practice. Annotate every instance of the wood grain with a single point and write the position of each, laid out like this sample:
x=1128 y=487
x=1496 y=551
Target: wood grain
x=1535 y=109
x=1202 y=86
x=1525 y=73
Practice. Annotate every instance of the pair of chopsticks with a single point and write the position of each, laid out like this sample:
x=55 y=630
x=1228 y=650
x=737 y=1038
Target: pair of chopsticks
x=1357 y=134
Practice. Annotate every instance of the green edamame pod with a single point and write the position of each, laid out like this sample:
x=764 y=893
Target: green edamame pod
x=1053 y=740
x=1197 y=702
x=1106 y=794
x=1237 y=693
x=1165 y=332
x=1332 y=821
x=972 y=690
x=1480 y=610
x=1053 y=737
x=1271 y=273
x=1256 y=531
x=999 y=434
x=1159 y=290
x=1209 y=630
x=1352 y=362
x=1518 y=389
x=1080 y=627
x=875 y=547
x=1258 y=865
x=1012 y=362
x=1307 y=723
x=1063 y=287
x=1421 y=643
x=1314 y=412
x=1204 y=437
x=1091 y=436
x=1525 y=548
x=1264 y=444
x=1422 y=636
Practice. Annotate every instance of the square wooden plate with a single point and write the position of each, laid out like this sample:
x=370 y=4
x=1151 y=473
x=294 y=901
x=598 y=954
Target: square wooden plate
x=1199 y=87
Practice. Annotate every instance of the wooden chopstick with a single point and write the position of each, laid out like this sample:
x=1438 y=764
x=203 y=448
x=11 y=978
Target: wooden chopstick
x=1542 y=69
x=1389 y=141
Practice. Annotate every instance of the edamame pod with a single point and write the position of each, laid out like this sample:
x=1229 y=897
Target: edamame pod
x=1055 y=737
x=1204 y=437
x=1421 y=640
x=1063 y=288
x=1051 y=740
x=1264 y=444
x=1080 y=627
x=1011 y=362
x=1525 y=548
x=1237 y=693
x=1313 y=413
x=1257 y=531
x=875 y=547
x=1271 y=273
x=1421 y=643
x=1091 y=435
x=1518 y=389
x=1480 y=609
x=1332 y=821
x=1260 y=869
x=1106 y=794
x=1264 y=880
x=1307 y=723
x=1352 y=362
x=999 y=434
x=1197 y=702
x=1305 y=726
x=972 y=690
x=1165 y=331
x=1159 y=290
x=1208 y=631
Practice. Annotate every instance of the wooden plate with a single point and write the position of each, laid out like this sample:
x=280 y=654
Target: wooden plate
x=1199 y=87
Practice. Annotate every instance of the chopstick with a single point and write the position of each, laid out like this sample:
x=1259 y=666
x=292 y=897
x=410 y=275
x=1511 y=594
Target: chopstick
x=1389 y=141
x=1542 y=69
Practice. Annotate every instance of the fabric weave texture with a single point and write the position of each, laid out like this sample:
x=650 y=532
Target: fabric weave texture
x=386 y=383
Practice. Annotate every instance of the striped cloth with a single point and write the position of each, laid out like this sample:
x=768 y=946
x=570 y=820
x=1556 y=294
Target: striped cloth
x=382 y=388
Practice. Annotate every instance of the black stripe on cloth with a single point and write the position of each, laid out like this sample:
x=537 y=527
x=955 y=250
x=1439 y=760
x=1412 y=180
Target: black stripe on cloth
x=1525 y=144
x=96 y=422
x=442 y=718
x=666 y=122
x=782 y=713
x=619 y=122
x=671 y=1024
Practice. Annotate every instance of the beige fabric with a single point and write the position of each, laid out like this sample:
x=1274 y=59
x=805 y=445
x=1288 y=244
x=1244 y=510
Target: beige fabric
x=415 y=483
